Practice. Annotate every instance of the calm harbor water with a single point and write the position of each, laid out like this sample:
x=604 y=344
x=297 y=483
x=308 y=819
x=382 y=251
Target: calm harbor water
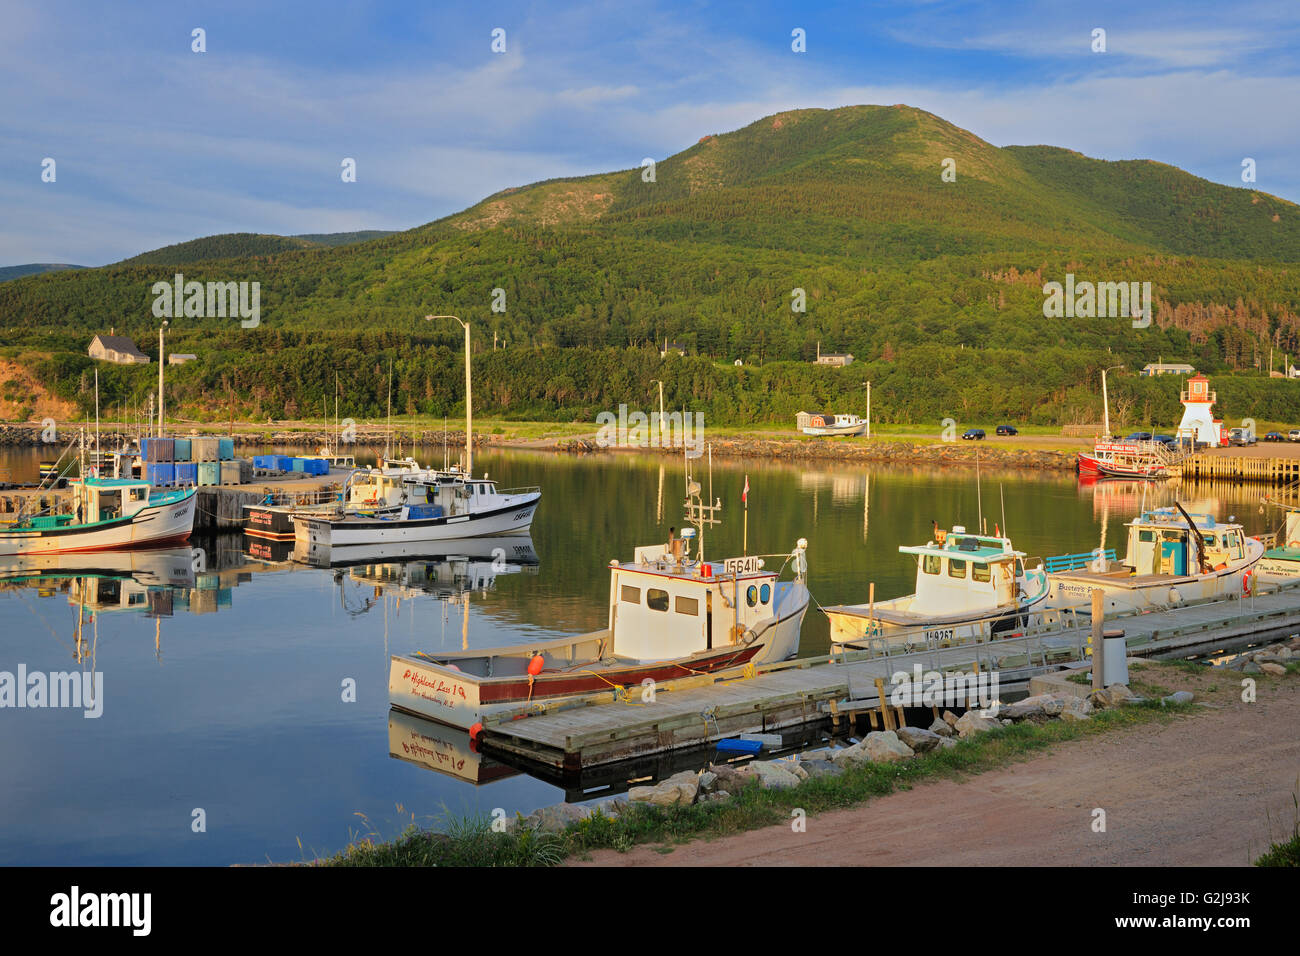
x=225 y=689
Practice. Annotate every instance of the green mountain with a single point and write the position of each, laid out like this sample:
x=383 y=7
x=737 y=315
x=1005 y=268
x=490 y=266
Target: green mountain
x=237 y=245
x=835 y=228
x=32 y=269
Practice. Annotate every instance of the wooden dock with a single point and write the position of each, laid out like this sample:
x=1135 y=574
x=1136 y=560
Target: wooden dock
x=1264 y=468
x=698 y=711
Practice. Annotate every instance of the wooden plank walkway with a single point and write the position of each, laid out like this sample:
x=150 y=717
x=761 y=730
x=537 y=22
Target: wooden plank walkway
x=1271 y=469
x=698 y=711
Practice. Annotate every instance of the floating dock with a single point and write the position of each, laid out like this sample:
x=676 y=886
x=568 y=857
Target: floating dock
x=602 y=729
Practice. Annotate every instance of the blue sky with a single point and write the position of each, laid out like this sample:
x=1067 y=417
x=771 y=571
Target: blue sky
x=157 y=144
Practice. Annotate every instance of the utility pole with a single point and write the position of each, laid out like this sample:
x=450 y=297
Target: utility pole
x=469 y=396
x=1105 y=399
x=160 y=377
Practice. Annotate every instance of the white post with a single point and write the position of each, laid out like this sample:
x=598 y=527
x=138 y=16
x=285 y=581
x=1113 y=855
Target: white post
x=1105 y=401
x=868 y=409
x=469 y=409
x=160 y=378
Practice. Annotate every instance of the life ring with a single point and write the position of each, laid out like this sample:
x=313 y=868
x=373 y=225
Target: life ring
x=1245 y=583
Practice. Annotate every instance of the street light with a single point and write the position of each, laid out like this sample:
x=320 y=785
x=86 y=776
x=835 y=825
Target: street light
x=1105 y=399
x=160 y=377
x=469 y=396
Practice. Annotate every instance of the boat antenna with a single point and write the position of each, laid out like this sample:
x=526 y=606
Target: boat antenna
x=1003 y=495
x=388 y=441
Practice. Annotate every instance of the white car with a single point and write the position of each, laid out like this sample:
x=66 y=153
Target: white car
x=1293 y=434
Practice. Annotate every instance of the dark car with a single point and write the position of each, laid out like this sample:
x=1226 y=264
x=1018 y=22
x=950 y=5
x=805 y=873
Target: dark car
x=974 y=433
x=1274 y=436
x=1138 y=436
x=1008 y=430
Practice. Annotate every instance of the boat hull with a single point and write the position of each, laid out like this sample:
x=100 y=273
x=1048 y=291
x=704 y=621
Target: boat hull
x=515 y=517
x=152 y=526
x=835 y=430
x=1152 y=591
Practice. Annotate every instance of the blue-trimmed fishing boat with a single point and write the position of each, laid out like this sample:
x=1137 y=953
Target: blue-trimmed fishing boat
x=107 y=514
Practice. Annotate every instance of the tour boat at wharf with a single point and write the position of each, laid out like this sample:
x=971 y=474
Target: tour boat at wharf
x=671 y=616
x=1172 y=557
x=969 y=587
x=107 y=514
x=1125 y=459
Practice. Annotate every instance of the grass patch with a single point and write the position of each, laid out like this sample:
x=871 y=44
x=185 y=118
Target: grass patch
x=470 y=841
x=1287 y=852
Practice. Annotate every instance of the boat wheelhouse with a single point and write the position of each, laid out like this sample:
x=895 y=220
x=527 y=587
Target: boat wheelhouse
x=1126 y=459
x=107 y=514
x=969 y=587
x=1172 y=557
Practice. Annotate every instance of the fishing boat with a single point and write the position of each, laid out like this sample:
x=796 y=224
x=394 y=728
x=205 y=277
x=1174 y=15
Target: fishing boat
x=1125 y=459
x=1172 y=557
x=671 y=615
x=829 y=423
x=443 y=507
x=1282 y=561
x=145 y=568
x=969 y=587
x=107 y=514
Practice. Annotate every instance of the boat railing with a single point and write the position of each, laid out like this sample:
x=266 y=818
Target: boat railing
x=524 y=490
x=293 y=499
x=1075 y=562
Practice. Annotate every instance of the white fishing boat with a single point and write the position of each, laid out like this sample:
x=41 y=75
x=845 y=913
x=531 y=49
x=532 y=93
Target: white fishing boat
x=442 y=508
x=671 y=615
x=829 y=423
x=1281 y=562
x=1172 y=557
x=969 y=587
x=107 y=514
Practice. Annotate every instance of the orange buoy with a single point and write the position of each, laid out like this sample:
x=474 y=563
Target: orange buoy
x=475 y=730
x=1245 y=583
x=535 y=665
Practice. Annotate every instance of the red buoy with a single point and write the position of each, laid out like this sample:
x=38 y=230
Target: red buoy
x=535 y=665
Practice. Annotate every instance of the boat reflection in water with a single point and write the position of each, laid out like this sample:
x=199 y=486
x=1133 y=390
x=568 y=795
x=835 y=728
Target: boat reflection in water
x=442 y=749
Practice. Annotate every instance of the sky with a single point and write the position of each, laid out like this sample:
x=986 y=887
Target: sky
x=155 y=143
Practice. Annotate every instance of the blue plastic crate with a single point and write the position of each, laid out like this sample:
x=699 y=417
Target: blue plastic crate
x=283 y=463
x=226 y=449
x=182 y=449
x=187 y=473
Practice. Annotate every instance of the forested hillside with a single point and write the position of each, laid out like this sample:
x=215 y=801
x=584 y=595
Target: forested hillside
x=935 y=286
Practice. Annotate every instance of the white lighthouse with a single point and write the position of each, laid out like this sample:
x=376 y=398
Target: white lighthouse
x=1198 y=421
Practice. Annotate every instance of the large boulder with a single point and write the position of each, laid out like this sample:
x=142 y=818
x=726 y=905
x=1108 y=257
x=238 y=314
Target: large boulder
x=555 y=818
x=971 y=723
x=1277 y=670
x=680 y=788
x=821 y=768
x=941 y=727
x=1178 y=697
x=774 y=775
x=884 y=746
x=854 y=756
x=950 y=719
x=731 y=778
x=1075 y=708
x=919 y=740
x=1024 y=709
x=1250 y=667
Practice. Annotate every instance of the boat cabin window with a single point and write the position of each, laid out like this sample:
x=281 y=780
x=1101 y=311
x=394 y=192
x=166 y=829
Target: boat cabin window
x=930 y=563
x=631 y=595
x=687 y=605
x=1208 y=540
x=979 y=572
x=656 y=600
x=1146 y=536
x=956 y=569
x=1020 y=568
x=751 y=596
x=764 y=593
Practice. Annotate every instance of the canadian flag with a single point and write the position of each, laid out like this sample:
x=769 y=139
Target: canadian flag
x=744 y=495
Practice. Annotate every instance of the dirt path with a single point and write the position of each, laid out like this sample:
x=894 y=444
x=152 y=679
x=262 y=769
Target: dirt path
x=1213 y=789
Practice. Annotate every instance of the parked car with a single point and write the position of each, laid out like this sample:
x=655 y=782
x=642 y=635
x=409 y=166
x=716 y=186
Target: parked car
x=1165 y=439
x=974 y=434
x=1138 y=436
x=1293 y=434
x=1274 y=436
x=1008 y=430
x=1241 y=436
